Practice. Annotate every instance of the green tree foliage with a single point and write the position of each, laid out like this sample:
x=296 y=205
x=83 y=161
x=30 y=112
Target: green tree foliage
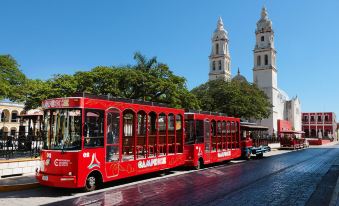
x=12 y=80
x=36 y=91
x=147 y=80
x=235 y=98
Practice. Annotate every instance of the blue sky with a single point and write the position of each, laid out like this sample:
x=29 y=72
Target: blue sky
x=50 y=37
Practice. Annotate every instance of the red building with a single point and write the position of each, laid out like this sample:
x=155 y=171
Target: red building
x=319 y=124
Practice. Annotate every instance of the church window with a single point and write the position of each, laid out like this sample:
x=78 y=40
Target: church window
x=262 y=38
x=258 y=60
x=219 y=64
x=217 y=49
x=213 y=66
x=266 y=59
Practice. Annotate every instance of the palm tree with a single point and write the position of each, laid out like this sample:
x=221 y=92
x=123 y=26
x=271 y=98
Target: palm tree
x=143 y=63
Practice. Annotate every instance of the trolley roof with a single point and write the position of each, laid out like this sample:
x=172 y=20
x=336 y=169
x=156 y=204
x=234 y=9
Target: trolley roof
x=248 y=125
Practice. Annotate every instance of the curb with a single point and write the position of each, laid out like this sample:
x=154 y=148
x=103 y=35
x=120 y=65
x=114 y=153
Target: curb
x=9 y=188
x=18 y=160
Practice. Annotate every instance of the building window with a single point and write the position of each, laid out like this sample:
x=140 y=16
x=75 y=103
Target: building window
x=217 y=49
x=313 y=133
x=5 y=115
x=326 y=118
x=14 y=116
x=266 y=59
x=312 y=118
x=319 y=119
x=258 y=60
x=13 y=131
x=219 y=64
x=213 y=66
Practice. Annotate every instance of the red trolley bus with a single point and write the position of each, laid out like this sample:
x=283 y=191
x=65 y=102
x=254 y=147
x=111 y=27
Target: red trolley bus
x=211 y=138
x=91 y=140
x=290 y=139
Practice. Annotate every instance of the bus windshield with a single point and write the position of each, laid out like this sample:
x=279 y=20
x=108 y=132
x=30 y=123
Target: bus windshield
x=63 y=129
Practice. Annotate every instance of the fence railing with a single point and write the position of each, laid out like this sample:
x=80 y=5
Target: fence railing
x=20 y=144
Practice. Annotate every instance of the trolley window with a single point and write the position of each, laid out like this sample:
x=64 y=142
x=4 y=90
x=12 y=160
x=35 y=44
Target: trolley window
x=189 y=130
x=63 y=129
x=112 y=134
x=94 y=128
x=200 y=131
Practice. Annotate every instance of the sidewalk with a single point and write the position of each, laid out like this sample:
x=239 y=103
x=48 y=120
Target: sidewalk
x=18 y=183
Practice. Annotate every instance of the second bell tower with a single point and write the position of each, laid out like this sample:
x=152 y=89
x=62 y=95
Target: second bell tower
x=220 y=59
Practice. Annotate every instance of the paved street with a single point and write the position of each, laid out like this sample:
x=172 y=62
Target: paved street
x=286 y=179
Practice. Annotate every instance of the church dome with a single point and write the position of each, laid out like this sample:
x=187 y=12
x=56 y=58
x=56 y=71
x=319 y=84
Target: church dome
x=239 y=77
x=220 y=32
x=264 y=23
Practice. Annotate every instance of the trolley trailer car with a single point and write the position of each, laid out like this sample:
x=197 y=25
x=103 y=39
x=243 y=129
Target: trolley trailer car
x=93 y=139
x=211 y=138
x=253 y=140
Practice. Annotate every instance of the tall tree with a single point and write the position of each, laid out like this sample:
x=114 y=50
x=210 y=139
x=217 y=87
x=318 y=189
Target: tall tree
x=235 y=98
x=36 y=91
x=147 y=80
x=12 y=80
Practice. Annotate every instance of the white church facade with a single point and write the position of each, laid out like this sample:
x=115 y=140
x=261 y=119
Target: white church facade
x=265 y=73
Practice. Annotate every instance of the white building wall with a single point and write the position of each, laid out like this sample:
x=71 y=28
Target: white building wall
x=295 y=113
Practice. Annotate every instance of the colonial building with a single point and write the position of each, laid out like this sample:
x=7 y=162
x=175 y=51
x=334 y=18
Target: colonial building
x=220 y=60
x=13 y=116
x=9 y=113
x=319 y=124
x=265 y=72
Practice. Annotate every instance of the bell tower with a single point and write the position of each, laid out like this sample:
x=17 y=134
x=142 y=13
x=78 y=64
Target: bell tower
x=220 y=59
x=264 y=70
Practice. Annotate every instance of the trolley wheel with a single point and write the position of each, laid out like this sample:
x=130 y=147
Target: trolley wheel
x=200 y=164
x=261 y=155
x=92 y=182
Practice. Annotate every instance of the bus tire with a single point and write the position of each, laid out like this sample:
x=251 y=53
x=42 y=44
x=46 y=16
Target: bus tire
x=261 y=155
x=200 y=164
x=93 y=181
